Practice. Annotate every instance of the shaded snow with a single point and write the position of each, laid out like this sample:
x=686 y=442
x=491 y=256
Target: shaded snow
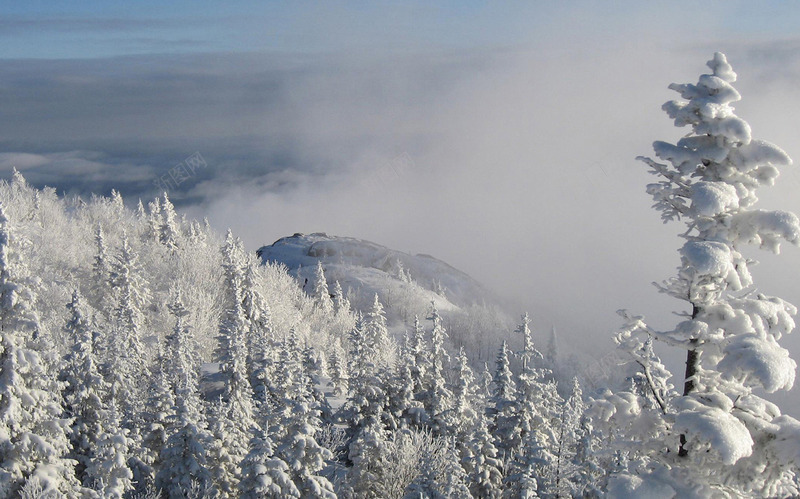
x=364 y=268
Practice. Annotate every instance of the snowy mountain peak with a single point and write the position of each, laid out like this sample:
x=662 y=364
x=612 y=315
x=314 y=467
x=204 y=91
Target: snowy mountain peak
x=406 y=283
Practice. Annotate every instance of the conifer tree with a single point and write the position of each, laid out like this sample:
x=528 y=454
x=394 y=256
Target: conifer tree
x=128 y=368
x=721 y=435
x=567 y=460
x=300 y=450
x=263 y=473
x=169 y=232
x=441 y=475
x=460 y=418
x=338 y=370
x=403 y=404
x=299 y=422
x=482 y=464
x=377 y=334
x=232 y=420
x=101 y=272
x=367 y=452
x=440 y=396
x=367 y=395
x=34 y=435
x=223 y=464
x=420 y=360
x=340 y=302
x=539 y=408
x=108 y=470
x=154 y=220
x=183 y=465
x=503 y=410
x=160 y=408
x=183 y=459
x=320 y=290
x=259 y=336
x=85 y=390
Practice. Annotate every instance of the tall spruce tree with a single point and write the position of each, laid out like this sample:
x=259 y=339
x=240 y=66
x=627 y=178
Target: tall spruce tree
x=33 y=436
x=85 y=391
x=723 y=437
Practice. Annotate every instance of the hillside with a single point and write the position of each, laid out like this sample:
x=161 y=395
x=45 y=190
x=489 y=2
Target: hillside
x=406 y=284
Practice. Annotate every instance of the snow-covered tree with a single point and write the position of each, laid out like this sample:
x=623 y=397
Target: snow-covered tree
x=33 y=436
x=367 y=398
x=340 y=302
x=183 y=458
x=567 y=458
x=377 y=334
x=108 y=471
x=461 y=416
x=84 y=390
x=264 y=475
x=299 y=423
x=503 y=410
x=338 y=370
x=169 y=232
x=539 y=408
x=320 y=292
x=259 y=336
x=441 y=475
x=367 y=452
x=154 y=220
x=439 y=396
x=233 y=418
x=128 y=365
x=481 y=461
x=722 y=436
x=101 y=271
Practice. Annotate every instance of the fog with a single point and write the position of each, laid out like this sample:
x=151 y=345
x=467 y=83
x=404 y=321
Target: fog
x=513 y=162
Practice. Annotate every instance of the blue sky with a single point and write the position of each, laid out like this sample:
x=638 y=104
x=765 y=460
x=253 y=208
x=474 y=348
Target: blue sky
x=90 y=29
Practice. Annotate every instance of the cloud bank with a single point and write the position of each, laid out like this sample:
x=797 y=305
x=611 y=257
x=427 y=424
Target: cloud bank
x=513 y=164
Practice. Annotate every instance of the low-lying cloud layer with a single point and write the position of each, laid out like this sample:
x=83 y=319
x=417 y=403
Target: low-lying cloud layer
x=515 y=165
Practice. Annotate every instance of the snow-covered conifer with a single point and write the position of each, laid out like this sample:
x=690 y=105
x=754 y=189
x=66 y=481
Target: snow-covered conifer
x=300 y=450
x=367 y=395
x=460 y=418
x=377 y=335
x=320 y=291
x=183 y=459
x=441 y=475
x=722 y=434
x=34 y=435
x=480 y=460
x=101 y=270
x=338 y=370
x=263 y=473
x=340 y=302
x=84 y=390
x=108 y=470
x=503 y=410
x=259 y=336
x=439 y=397
x=154 y=220
x=234 y=420
x=169 y=232
x=128 y=366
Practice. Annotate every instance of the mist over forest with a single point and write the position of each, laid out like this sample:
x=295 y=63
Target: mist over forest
x=399 y=251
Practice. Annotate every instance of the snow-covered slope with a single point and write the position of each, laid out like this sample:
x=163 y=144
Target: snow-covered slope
x=405 y=283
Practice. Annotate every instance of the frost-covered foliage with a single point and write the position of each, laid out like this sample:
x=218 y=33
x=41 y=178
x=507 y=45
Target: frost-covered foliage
x=717 y=437
x=183 y=366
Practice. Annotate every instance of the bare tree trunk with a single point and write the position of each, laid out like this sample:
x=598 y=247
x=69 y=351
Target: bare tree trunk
x=692 y=358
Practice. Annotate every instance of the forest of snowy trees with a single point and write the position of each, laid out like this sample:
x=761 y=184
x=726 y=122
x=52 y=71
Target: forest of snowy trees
x=143 y=355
